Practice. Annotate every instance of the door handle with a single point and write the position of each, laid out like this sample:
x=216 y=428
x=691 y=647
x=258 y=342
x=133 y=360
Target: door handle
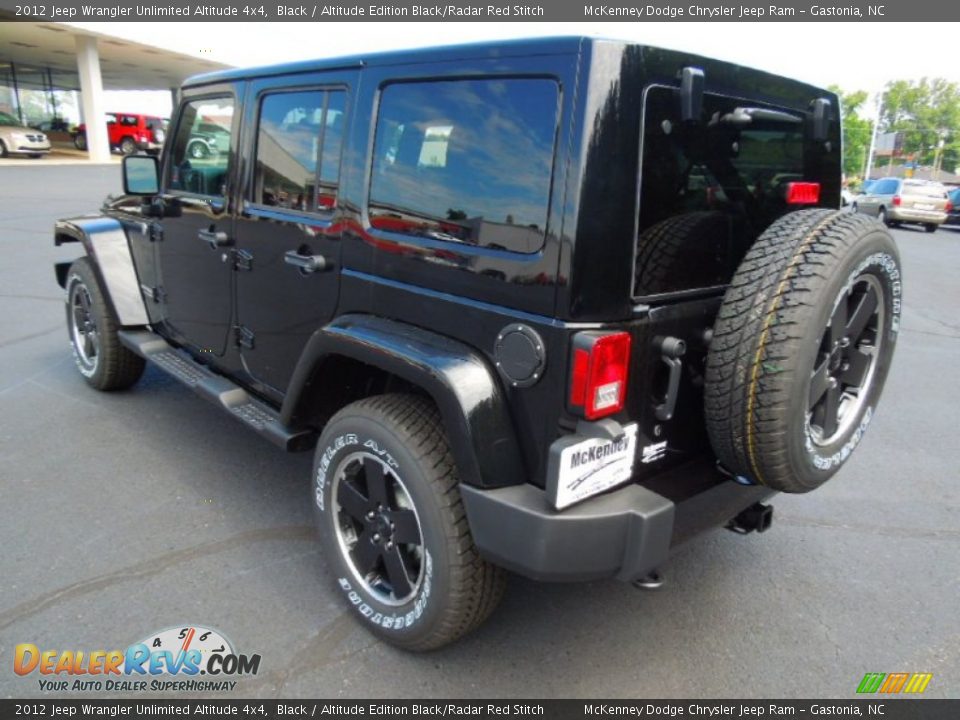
x=306 y=263
x=214 y=238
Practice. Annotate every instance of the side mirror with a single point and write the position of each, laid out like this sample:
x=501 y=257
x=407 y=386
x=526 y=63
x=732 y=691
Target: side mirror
x=141 y=175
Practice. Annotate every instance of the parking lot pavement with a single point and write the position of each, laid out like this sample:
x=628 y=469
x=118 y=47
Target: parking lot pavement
x=123 y=514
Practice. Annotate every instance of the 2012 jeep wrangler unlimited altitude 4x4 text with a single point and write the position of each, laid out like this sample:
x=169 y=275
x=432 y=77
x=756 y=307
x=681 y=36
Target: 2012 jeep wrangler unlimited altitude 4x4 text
x=548 y=306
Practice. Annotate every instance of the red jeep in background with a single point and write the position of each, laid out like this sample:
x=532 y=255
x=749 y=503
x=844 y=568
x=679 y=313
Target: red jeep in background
x=128 y=132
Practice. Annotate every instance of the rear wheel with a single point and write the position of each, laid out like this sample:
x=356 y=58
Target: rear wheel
x=393 y=527
x=3 y=149
x=100 y=357
x=882 y=216
x=801 y=348
x=80 y=141
x=930 y=227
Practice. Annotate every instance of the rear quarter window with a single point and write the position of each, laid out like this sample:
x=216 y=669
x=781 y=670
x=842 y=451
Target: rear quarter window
x=466 y=161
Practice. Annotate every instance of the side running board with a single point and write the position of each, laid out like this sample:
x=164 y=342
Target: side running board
x=218 y=390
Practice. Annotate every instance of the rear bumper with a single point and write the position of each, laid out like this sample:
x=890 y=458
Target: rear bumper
x=625 y=533
x=935 y=217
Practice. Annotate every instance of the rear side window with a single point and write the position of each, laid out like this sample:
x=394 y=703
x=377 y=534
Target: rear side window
x=885 y=187
x=466 y=161
x=930 y=190
x=707 y=190
x=299 y=136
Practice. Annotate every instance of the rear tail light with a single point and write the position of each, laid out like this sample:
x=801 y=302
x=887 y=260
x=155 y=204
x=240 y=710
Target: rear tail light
x=949 y=207
x=803 y=193
x=896 y=201
x=598 y=377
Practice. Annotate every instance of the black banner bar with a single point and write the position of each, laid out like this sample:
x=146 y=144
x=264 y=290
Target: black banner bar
x=578 y=11
x=881 y=708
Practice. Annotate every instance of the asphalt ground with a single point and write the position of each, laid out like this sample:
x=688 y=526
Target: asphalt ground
x=123 y=514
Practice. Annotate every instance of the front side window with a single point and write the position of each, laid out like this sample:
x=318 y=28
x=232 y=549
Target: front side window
x=466 y=161
x=298 y=150
x=200 y=153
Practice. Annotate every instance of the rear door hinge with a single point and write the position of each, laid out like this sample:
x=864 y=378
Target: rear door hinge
x=244 y=336
x=242 y=260
x=157 y=294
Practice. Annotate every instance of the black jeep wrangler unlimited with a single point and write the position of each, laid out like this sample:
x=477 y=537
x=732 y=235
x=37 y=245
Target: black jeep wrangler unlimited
x=550 y=306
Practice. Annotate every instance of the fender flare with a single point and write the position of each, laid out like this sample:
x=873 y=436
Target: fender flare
x=105 y=242
x=457 y=378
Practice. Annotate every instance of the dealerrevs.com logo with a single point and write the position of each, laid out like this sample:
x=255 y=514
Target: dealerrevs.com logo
x=179 y=659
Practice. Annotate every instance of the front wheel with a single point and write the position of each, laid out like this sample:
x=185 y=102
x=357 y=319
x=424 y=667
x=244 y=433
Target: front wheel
x=393 y=527
x=128 y=146
x=100 y=357
x=80 y=141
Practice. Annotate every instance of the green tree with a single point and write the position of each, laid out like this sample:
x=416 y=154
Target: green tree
x=856 y=131
x=925 y=111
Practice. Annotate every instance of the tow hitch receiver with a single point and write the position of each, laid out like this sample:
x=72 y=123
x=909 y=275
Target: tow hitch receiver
x=757 y=517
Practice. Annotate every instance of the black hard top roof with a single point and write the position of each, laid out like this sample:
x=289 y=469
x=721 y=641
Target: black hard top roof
x=492 y=49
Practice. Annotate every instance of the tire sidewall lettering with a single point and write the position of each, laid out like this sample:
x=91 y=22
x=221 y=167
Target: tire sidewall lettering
x=394 y=619
x=404 y=618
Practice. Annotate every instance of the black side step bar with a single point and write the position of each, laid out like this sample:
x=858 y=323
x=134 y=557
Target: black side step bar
x=218 y=390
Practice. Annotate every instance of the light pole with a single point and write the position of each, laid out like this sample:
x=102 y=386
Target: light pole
x=873 y=137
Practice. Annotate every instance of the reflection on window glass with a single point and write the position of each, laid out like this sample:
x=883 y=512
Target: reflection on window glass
x=201 y=148
x=708 y=189
x=330 y=153
x=466 y=161
x=296 y=132
x=288 y=143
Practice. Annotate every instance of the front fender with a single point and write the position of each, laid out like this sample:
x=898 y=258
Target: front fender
x=459 y=380
x=105 y=242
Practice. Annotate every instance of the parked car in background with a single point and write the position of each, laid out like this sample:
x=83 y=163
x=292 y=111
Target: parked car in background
x=54 y=125
x=18 y=139
x=897 y=200
x=128 y=132
x=208 y=140
x=953 y=208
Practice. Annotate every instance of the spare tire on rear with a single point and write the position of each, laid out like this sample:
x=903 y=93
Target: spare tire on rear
x=801 y=348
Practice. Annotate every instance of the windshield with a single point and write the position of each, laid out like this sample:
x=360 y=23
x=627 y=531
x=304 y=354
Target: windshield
x=8 y=119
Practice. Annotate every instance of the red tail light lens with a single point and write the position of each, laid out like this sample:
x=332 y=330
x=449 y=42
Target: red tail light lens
x=803 y=193
x=949 y=207
x=896 y=201
x=598 y=375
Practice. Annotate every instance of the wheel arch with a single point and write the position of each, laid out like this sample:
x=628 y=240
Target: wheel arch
x=363 y=355
x=105 y=242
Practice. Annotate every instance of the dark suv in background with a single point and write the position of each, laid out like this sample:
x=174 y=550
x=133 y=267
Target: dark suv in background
x=552 y=306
